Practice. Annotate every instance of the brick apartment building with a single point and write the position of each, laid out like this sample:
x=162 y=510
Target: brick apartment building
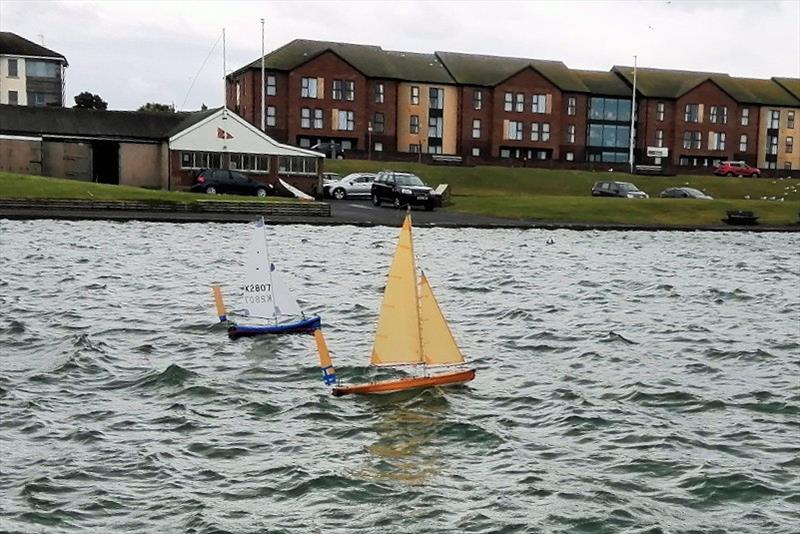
x=506 y=110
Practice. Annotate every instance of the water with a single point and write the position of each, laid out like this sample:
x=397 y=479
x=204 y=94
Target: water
x=627 y=382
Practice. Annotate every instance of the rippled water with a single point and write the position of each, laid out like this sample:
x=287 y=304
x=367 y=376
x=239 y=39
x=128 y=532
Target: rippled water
x=627 y=382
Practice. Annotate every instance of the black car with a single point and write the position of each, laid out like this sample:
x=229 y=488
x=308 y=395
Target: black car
x=684 y=192
x=214 y=181
x=402 y=189
x=331 y=150
x=617 y=189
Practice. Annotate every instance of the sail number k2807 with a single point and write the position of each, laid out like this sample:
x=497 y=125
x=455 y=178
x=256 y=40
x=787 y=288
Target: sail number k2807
x=255 y=293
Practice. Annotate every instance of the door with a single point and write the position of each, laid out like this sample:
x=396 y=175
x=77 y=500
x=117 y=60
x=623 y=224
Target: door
x=362 y=185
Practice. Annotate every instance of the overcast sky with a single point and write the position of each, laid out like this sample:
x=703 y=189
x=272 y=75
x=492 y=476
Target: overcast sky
x=142 y=51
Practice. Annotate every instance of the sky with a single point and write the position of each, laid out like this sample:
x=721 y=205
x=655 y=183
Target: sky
x=133 y=52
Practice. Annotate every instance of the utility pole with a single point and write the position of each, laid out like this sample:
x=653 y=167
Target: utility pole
x=263 y=83
x=633 y=115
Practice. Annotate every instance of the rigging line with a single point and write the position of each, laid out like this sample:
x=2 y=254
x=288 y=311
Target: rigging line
x=199 y=71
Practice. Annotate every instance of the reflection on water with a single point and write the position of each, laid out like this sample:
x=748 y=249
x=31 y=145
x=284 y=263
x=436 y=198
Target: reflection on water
x=626 y=382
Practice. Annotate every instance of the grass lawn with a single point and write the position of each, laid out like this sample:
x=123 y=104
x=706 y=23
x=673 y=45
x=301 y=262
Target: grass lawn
x=559 y=195
x=16 y=186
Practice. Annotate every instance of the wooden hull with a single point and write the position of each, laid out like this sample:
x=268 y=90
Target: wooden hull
x=404 y=384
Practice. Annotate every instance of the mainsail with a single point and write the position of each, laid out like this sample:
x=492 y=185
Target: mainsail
x=264 y=293
x=438 y=345
x=397 y=338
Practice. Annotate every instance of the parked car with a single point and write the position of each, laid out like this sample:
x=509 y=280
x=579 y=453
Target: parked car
x=214 y=181
x=402 y=189
x=736 y=168
x=330 y=177
x=330 y=149
x=357 y=184
x=617 y=189
x=684 y=192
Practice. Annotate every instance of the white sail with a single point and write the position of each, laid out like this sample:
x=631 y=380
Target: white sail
x=257 y=292
x=285 y=303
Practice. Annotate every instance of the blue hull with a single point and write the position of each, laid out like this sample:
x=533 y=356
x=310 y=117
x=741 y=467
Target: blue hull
x=306 y=326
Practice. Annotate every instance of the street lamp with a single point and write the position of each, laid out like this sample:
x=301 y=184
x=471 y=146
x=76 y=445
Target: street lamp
x=369 y=140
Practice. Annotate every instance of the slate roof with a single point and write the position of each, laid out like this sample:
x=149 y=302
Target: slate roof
x=140 y=125
x=372 y=61
x=14 y=45
x=792 y=85
x=603 y=83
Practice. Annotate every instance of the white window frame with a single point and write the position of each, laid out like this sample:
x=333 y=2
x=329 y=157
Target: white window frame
x=319 y=122
x=535 y=131
x=272 y=116
x=545 y=132
x=271 y=85
x=476 y=128
x=660 y=111
x=571 y=134
x=508 y=101
x=308 y=87
x=572 y=105
x=743 y=143
x=539 y=103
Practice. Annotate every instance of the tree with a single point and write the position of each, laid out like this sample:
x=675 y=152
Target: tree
x=87 y=100
x=157 y=108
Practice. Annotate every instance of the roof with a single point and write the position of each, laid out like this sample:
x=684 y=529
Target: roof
x=603 y=83
x=14 y=45
x=44 y=121
x=371 y=61
x=769 y=92
x=473 y=69
x=792 y=85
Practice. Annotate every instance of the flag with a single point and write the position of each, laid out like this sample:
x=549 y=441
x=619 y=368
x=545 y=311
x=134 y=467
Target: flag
x=222 y=134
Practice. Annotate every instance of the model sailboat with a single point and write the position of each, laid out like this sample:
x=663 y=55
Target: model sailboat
x=266 y=298
x=411 y=331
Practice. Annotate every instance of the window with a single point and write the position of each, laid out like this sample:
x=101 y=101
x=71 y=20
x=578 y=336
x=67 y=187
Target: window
x=435 y=127
x=42 y=69
x=660 y=112
x=505 y=153
x=249 y=162
x=378 y=122
x=434 y=149
x=659 y=138
x=413 y=125
x=336 y=90
x=308 y=87
x=743 y=143
x=519 y=102
x=12 y=68
x=378 y=146
x=42 y=99
x=716 y=140
x=318 y=119
x=514 y=130
x=774 y=119
x=476 y=151
x=415 y=148
x=790 y=119
x=789 y=145
x=718 y=115
x=349 y=90
x=572 y=104
x=609 y=109
x=545 y=131
x=200 y=160
x=772 y=165
x=346 y=120
x=436 y=98
x=271 y=116
x=305 y=118
x=297 y=165
x=414 y=95
x=508 y=99
x=692 y=140
x=691 y=113
x=772 y=145
x=343 y=90
x=569 y=156
x=476 y=128
x=539 y=104
x=609 y=135
x=477 y=99
x=745 y=117
x=272 y=85
x=571 y=133
x=13 y=98
x=379 y=96
x=535 y=131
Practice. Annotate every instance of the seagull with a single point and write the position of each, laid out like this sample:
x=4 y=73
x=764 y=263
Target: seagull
x=649 y=26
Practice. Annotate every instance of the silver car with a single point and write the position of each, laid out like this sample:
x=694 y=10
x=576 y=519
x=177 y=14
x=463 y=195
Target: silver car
x=357 y=184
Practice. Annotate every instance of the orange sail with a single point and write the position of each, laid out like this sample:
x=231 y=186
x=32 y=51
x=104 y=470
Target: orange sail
x=438 y=344
x=397 y=339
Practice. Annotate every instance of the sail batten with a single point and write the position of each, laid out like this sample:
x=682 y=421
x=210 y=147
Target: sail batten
x=397 y=338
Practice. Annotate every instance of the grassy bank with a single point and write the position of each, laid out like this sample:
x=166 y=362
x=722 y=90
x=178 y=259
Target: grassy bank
x=39 y=187
x=564 y=196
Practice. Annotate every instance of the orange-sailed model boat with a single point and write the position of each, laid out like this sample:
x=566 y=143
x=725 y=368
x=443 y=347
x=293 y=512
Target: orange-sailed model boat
x=411 y=331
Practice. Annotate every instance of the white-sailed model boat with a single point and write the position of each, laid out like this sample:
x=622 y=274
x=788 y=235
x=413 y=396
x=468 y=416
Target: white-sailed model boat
x=266 y=299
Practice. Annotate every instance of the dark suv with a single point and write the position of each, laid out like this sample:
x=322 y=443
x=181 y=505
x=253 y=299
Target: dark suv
x=402 y=189
x=617 y=189
x=213 y=181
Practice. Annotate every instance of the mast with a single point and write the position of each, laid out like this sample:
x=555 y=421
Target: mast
x=263 y=81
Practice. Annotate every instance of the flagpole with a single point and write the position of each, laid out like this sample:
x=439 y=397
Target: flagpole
x=224 y=74
x=633 y=115
x=263 y=81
